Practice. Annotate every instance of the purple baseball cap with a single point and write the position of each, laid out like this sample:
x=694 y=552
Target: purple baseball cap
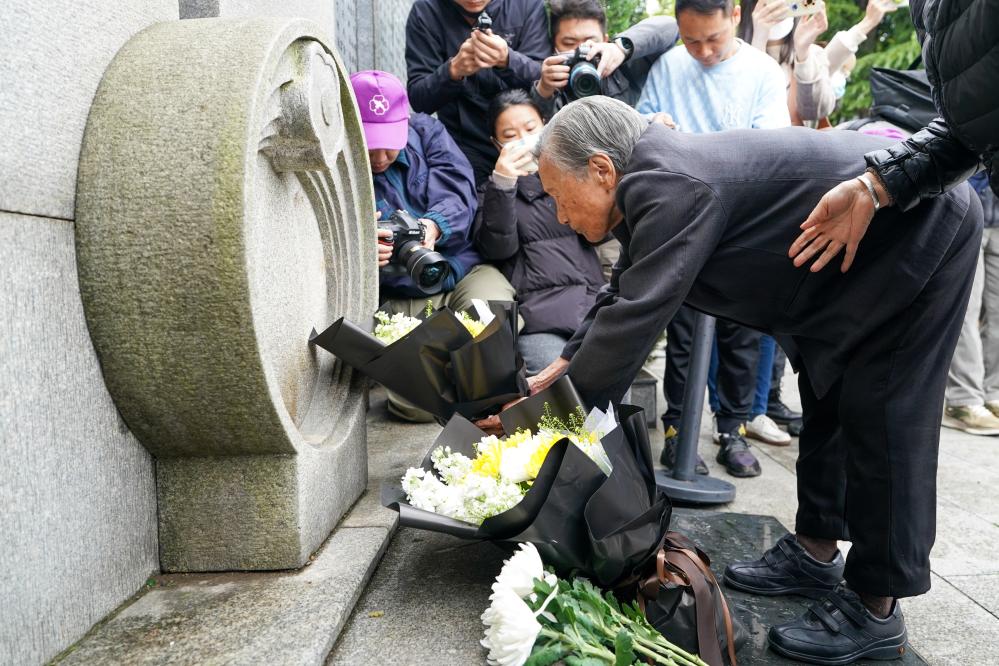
x=384 y=109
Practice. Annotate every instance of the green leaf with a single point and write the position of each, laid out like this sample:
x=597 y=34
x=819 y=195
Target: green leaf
x=624 y=649
x=546 y=656
x=573 y=660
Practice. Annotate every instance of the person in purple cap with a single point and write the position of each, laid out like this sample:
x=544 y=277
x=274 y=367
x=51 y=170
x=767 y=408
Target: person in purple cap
x=418 y=168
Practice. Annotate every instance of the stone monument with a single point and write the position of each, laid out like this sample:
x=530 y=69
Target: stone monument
x=224 y=209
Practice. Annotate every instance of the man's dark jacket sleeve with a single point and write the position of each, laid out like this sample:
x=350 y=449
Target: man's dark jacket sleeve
x=451 y=199
x=428 y=82
x=524 y=63
x=672 y=225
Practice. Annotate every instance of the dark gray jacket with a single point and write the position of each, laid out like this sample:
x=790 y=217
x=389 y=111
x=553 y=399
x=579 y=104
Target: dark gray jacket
x=649 y=39
x=708 y=220
x=555 y=272
x=960 y=41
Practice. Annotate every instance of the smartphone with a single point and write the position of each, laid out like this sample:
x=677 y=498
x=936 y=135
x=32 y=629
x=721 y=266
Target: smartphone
x=804 y=7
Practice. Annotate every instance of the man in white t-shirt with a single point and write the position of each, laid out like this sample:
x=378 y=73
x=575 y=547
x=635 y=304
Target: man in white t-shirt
x=716 y=83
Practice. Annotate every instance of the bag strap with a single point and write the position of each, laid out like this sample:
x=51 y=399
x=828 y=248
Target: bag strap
x=707 y=640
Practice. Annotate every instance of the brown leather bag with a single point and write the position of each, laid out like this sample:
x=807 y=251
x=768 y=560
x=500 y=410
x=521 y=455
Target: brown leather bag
x=683 y=600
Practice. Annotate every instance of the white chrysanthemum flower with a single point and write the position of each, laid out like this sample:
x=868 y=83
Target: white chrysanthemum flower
x=451 y=465
x=520 y=570
x=511 y=629
x=515 y=464
x=389 y=329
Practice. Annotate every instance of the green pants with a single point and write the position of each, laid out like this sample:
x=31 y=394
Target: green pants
x=483 y=282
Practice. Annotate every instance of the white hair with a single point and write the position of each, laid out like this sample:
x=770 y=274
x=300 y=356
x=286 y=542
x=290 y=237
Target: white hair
x=596 y=125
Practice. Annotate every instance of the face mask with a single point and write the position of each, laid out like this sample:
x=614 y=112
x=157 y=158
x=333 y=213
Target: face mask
x=781 y=30
x=838 y=81
x=531 y=140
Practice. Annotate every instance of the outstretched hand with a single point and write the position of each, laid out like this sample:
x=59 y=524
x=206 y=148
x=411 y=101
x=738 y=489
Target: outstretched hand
x=491 y=425
x=839 y=221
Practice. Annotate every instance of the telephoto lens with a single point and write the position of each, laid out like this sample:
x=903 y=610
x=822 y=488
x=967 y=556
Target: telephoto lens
x=584 y=80
x=426 y=268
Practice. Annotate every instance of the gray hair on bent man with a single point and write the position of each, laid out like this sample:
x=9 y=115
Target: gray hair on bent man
x=591 y=126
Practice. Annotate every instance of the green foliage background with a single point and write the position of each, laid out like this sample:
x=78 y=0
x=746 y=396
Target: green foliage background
x=892 y=45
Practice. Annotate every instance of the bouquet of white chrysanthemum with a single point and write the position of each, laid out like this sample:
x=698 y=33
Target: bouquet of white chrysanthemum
x=580 y=487
x=533 y=615
x=502 y=470
x=445 y=363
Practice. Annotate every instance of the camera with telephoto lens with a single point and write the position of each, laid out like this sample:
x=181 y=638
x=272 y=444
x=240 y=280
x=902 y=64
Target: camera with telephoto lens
x=425 y=267
x=484 y=22
x=584 y=80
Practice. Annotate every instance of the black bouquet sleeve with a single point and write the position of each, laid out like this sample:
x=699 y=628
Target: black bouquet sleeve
x=438 y=366
x=582 y=521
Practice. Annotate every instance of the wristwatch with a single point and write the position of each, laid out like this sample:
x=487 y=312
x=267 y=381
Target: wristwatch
x=625 y=45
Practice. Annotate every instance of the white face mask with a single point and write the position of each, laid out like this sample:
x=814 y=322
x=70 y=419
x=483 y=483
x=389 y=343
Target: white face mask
x=531 y=140
x=838 y=81
x=781 y=30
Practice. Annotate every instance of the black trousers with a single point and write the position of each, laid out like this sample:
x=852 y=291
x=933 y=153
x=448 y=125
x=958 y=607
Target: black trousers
x=738 y=354
x=867 y=464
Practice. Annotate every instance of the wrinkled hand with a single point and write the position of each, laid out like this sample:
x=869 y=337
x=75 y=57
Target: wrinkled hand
x=554 y=75
x=839 y=220
x=513 y=161
x=492 y=425
x=490 y=50
x=464 y=62
x=611 y=57
x=766 y=15
x=431 y=234
x=664 y=118
x=808 y=30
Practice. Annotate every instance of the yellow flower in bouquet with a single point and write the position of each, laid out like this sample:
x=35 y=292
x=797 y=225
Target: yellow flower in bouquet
x=474 y=326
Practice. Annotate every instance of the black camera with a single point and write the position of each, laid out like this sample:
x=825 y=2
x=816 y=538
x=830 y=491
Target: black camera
x=425 y=267
x=484 y=23
x=584 y=80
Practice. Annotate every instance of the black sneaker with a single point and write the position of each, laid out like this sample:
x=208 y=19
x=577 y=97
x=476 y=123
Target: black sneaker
x=778 y=411
x=786 y=569
x=840 y=630
x=668 y=457
x=736 y=456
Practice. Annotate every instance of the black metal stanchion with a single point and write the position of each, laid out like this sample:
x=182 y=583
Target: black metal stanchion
x=684 y=484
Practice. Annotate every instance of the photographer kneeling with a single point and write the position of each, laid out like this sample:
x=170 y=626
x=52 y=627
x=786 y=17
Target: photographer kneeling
x=425 y=192
x=587 y=62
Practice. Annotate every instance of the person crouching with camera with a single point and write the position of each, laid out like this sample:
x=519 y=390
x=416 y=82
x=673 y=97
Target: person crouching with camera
x=587 y=62
x=425 y=197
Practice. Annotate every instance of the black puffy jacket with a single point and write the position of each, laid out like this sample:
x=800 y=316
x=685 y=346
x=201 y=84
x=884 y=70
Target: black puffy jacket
x=960 y=41
x=555 y=271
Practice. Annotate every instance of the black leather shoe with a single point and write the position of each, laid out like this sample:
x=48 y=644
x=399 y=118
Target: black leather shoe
x=794 y=427
x=668 y=457
x=778 y=411
x=786 y=569
x=736 y=456
x=840 y=630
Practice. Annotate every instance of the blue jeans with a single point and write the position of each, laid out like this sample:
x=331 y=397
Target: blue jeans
x=764 y=371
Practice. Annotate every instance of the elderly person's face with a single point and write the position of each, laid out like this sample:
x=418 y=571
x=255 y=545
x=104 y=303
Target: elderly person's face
x=585 y=202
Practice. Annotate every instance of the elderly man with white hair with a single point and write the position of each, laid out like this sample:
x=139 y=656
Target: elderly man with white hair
x=708 y=220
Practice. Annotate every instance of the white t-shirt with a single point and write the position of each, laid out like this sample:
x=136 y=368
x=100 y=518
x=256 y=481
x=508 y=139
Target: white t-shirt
x=746 y=91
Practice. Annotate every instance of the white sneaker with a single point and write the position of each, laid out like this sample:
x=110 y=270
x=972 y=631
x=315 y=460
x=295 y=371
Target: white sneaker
x=992 y=406
x=973 y=419
x=764 y=429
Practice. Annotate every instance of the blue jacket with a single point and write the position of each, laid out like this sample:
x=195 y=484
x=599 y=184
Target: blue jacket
x=435 y=30
x=431 y=179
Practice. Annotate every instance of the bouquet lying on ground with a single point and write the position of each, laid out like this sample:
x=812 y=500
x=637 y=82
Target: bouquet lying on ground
x=535 y=618
x=584 y=494
x=445 y=363
x=503 y=470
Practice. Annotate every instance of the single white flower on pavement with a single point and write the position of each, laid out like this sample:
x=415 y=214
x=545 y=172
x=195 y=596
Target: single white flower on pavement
x=511 y=629
x=518 y=572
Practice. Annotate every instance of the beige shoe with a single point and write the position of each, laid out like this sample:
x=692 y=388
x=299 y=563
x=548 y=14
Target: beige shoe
x=992 y=406
x=974 y=419
x=764 y=429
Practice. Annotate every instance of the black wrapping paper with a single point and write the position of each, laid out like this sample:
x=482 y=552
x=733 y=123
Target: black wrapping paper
x=582 y=521
x=438 y=366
